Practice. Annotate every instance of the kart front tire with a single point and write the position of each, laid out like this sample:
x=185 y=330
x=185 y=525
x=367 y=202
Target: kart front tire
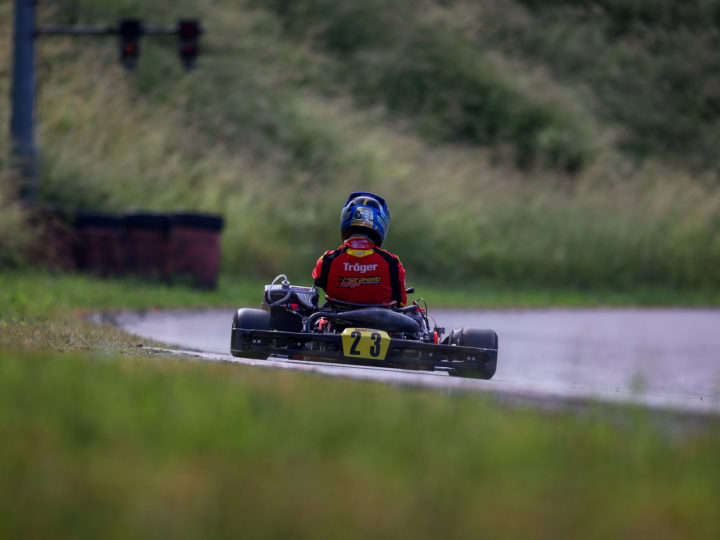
x=250 y=319
x=483 y=339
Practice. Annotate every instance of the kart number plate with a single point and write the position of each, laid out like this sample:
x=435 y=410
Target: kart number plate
x=365 y=343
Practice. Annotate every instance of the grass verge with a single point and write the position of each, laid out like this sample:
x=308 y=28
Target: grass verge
x=42 y=294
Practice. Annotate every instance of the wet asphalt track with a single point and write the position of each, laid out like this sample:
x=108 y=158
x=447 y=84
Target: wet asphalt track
x=664 y=358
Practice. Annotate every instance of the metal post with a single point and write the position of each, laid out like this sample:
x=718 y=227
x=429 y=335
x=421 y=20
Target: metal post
x=22 y=122
x=24 y=152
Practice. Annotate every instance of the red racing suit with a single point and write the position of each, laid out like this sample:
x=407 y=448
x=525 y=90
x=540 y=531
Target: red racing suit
x=360 y=272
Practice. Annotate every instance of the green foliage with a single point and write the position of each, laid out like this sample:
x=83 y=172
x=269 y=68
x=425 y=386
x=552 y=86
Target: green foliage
x=293 y=104
x=16 y=230
x=633 y=57
x=421 y=69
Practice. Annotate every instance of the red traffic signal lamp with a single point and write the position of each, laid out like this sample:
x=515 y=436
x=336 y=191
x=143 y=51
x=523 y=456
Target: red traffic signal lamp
x=130 y=31
x=188 y=31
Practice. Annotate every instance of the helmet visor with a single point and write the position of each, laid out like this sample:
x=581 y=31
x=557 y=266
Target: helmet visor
x=363 y=216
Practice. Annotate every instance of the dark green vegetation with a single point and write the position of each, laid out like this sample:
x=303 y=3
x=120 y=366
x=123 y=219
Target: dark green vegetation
x=435 y=61
x=102 y=439
x=550 y=144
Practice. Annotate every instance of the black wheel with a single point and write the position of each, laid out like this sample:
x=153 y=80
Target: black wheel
x=249 y=319
x=483 y=339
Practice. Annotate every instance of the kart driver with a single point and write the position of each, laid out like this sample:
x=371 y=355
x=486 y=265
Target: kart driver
x=359 y=272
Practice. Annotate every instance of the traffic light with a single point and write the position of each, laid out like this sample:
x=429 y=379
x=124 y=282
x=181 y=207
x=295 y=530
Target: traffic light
x=188 y=31
x=130 y=31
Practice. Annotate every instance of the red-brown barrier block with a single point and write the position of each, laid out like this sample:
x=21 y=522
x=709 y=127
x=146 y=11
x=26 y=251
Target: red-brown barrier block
x=100 y=243
x=195 y=248
x=147 y=249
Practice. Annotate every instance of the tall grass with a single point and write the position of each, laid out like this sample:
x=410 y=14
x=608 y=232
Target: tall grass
x=411 y=60
x=631 y=59
x=17 y=232
x=270 y=131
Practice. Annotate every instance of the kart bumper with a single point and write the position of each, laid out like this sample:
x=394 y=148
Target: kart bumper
x=401 y=353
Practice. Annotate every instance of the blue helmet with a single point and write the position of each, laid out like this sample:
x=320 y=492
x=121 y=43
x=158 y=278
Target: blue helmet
x=365 y=213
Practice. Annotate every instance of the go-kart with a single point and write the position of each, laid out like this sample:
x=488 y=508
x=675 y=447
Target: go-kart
x=292 y=325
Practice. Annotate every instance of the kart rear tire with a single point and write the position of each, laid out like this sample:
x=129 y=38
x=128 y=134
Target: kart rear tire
x=251 y=319
x=484 y=339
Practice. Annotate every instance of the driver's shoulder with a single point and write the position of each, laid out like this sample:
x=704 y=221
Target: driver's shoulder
x=385 y=253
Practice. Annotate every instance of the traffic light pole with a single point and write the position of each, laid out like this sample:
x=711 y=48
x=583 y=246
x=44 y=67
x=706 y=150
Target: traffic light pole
x=24 y=153
x=98 y=30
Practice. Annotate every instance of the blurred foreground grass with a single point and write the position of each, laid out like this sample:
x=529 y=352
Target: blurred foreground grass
x=101 y=439
x=147 y=446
